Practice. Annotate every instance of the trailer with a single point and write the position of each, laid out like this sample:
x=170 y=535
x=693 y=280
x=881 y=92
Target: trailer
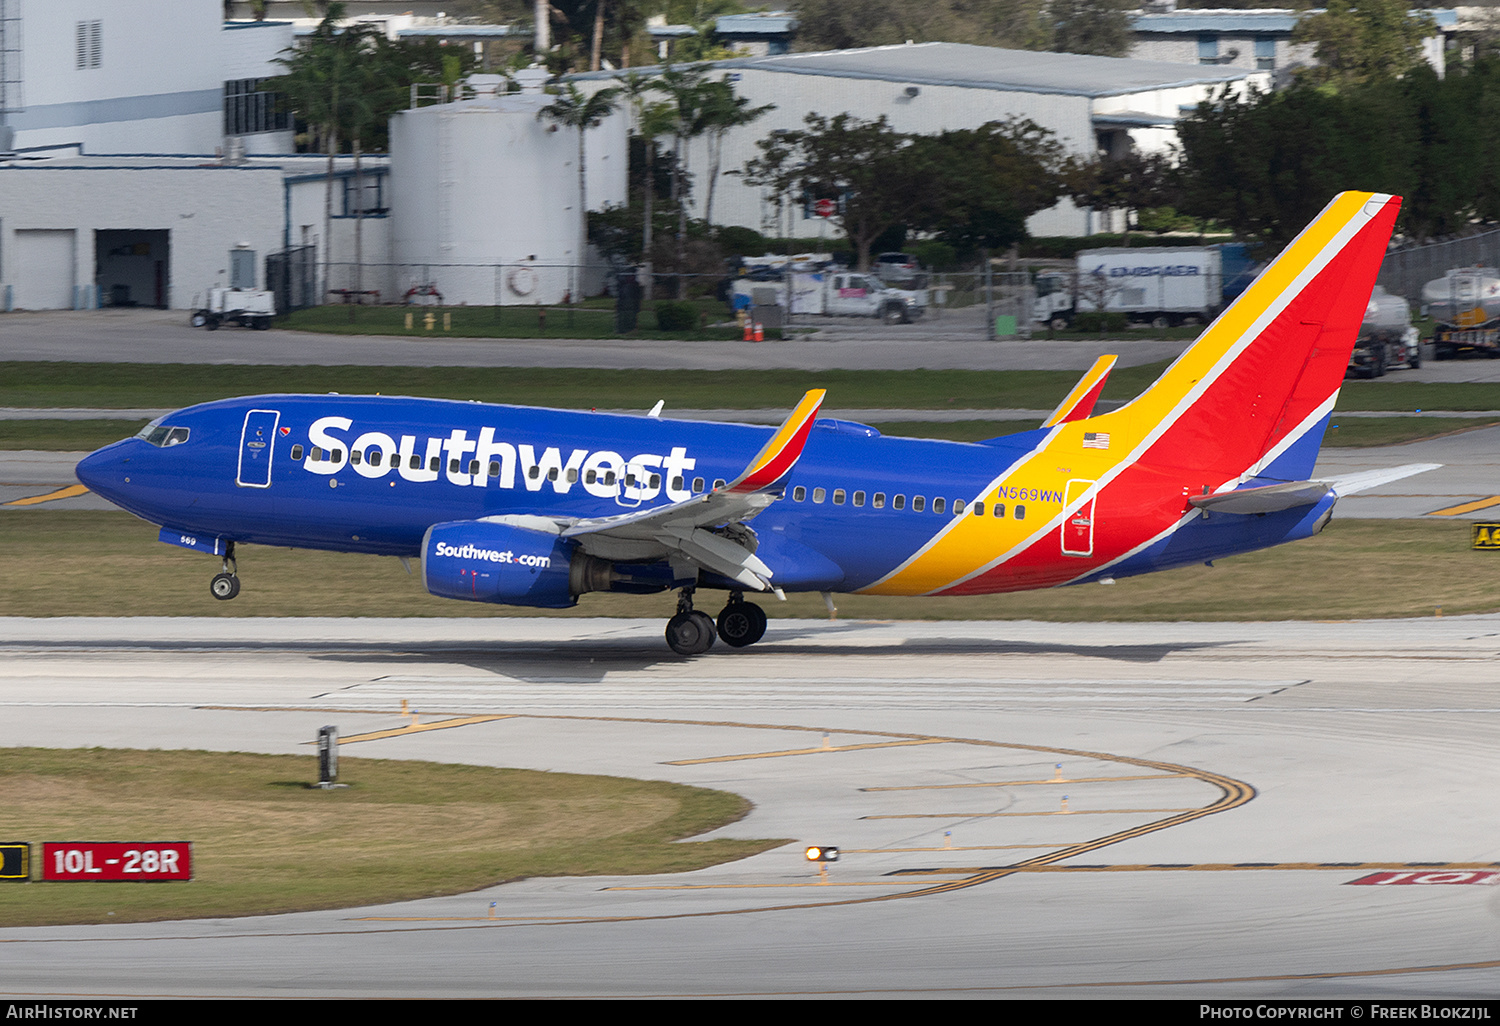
x=249 y=308
x=1157 y=285
x=1465 y=303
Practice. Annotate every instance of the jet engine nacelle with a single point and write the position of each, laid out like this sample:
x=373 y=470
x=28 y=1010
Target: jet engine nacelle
x=489 y=562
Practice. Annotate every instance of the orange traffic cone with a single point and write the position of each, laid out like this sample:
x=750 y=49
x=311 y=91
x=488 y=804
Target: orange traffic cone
x=760 y=332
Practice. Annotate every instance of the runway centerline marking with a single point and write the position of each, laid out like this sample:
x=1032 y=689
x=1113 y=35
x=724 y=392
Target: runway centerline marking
x=69 y=492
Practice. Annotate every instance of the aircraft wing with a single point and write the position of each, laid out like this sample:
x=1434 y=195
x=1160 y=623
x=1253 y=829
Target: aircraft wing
x=700 y=529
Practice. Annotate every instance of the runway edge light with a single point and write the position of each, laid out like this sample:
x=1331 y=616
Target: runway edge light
x=822 y=853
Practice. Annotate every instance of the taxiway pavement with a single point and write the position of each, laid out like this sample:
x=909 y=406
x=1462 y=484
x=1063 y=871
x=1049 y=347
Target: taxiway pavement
x=1227 y=786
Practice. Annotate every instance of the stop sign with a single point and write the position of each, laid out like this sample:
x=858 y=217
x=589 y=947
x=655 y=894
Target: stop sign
x=825 y=208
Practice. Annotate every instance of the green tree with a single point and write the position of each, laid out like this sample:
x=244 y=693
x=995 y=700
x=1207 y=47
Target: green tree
x=573 y=109
x=876 y=173
x=846 y=24
x=985 y=182
x=653 y=119
x=1131 y=183
x=1363 y=40
x=1099 y=27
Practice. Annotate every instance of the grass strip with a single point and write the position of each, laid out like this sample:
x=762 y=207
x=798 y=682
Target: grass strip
x=265 y=842
x=84 y=563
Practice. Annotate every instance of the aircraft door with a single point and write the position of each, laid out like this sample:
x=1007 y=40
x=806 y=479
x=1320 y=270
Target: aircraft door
x=1078 y=527
x=257 y=441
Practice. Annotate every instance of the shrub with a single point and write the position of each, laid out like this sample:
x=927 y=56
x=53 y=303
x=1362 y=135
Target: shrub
x=672 y=316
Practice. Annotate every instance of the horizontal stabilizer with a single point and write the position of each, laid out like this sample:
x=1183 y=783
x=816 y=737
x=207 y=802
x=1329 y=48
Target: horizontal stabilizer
x=1289 y=494
x=1351 y=483
x=1266 y=499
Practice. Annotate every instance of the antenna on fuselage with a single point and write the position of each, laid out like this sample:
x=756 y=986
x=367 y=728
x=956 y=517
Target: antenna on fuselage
x=656 y=410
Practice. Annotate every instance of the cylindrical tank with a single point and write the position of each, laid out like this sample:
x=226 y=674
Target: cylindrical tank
x=1386 y=314
x=1465 y=296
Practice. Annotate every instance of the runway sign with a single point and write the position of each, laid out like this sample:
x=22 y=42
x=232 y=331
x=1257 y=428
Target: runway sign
x=1486 y=536
x=15 y=861
x=117 y=860
x=1433 y=876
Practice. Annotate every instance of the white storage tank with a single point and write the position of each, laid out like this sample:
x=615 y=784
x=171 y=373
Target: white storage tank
x=485 y=199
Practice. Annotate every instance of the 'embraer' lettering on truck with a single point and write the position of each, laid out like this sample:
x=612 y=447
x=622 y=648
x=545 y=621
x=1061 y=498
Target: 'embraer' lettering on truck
x=474 y=462
x=1158 y=271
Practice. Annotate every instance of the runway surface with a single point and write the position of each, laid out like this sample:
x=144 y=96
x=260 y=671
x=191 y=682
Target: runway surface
x=1223 y=789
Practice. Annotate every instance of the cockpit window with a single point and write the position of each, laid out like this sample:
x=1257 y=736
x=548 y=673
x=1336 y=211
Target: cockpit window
x=162 y=436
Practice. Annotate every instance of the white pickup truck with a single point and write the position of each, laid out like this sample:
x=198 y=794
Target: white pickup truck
x=838 y=294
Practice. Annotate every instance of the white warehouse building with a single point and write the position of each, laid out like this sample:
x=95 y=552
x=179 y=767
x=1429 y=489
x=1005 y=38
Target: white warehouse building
x=137 y=76
x=80 y=232
x=1091 y=104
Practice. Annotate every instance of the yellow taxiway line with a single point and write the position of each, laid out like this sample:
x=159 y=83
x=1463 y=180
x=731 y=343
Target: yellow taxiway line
x=1466 y=507
x=35 y=500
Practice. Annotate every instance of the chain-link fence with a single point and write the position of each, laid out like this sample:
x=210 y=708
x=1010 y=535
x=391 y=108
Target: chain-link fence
x=1405 y=271
x=998 y=304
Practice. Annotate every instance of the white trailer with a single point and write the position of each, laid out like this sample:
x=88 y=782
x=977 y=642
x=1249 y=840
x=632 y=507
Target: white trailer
x=1159 y=285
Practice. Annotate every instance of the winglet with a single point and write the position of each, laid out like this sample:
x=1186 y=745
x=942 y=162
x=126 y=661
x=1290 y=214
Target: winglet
x=1079 y=403
x=780 y=455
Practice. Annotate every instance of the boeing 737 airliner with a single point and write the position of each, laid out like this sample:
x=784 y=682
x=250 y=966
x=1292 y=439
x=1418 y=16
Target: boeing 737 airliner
x=523 y=506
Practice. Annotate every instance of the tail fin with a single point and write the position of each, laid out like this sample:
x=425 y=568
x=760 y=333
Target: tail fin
x=1079 y=403
x=1251 y=397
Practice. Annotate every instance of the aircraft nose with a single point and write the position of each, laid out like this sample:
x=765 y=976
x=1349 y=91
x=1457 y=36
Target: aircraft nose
x=101 y=472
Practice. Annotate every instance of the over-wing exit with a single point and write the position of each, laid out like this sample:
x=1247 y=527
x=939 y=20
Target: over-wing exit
x=525 y=506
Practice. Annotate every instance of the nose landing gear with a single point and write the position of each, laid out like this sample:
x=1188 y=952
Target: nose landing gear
x=226 y=585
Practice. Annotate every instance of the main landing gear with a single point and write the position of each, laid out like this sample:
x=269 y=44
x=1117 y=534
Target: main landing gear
x=692 y=633
x=226 y=585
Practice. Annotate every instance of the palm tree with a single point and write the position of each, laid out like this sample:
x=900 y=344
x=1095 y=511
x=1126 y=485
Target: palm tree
x=326 y=83
x=652 y=120
x=721 y=111
x=575 y=110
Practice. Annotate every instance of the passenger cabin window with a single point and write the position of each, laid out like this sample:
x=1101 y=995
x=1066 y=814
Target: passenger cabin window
x=1020 y=512
x=879 y=501
x=899 y=502
x=838 y=496
x=819 y=494
x=918 y=503
x=355 y=458
x=979 y=509
x=799 y=494
x=958 y=506
x=296 y=453
x=939 y=505
x=719 y=482
x=859 y=498
x=697 y=484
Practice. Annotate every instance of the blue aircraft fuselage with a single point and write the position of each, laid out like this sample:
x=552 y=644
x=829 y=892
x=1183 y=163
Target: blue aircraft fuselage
x=280 y=470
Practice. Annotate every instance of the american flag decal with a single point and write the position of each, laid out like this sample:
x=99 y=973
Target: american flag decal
x=1096 y=440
